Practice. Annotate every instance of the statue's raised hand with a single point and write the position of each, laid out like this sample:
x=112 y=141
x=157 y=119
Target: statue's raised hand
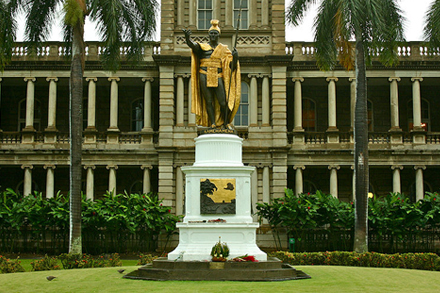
x=187 y=32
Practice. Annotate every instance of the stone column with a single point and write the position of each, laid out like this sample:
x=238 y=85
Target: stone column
x=394 y=103
x=332 y=131
x=179 y=191
x=216 y=9
x=50 y=181
x=417 y=108
x=112 y=178
x=297 y=102
x=299 y=182
x=252 y=13
x=352 y=81
x=180 y=103
x=90 y=188
x=266 y=184
x=91 y=102
x=191 y=116
x=50 y=131
x=265 y=101
x=51 y=123
x=27 y=182
x=420 y=192
x=418 y=131
x=192 y=14
x=253 y=101
x=229 y=14
x=146 y=183
x=113 y=130
x=334 y=179
x=114 y=103
x=90 y=131
x=396 y=178
x=332 y=102
x=265 y=13
x=147 y=103
x=180 y=12
x=30 y=103
x=395 y=131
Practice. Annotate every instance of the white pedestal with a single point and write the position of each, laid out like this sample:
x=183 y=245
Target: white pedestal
x=218 y=156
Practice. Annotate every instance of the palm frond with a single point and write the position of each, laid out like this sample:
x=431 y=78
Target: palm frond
x=325 y=39
x=40 y=15
x=8 y=29
x=297 y=10
x=431 y=31
x=122 y=21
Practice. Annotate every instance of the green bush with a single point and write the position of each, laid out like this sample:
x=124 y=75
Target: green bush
x=81 y=261
x=419 y=261
x=47 y=263
x=10 y=266
x=145 y=259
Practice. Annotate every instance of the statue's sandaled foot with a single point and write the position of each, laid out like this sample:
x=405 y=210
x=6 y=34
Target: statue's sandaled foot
x=213 y=126
x=230 y=127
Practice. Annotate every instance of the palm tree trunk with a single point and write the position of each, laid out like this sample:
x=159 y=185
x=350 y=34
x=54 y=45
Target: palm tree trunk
x=361 y=153
x=76 y=95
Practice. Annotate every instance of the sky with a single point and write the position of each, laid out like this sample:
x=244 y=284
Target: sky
x=413 y=10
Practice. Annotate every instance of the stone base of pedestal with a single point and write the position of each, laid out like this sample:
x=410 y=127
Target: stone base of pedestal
x=165 y=270
x=197 y=239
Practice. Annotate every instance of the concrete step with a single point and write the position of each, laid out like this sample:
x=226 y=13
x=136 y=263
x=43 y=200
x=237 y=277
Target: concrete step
x=271 y=270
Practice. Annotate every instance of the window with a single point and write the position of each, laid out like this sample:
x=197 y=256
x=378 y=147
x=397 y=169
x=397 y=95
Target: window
x=137 y=115
x=425 y=115
x=309 y=115
x=244 y=20
x=204 y=14
x=242 y=116
x=370 y=115
x=22 y=114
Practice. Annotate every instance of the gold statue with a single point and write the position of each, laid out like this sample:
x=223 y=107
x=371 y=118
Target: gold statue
x=216 y=80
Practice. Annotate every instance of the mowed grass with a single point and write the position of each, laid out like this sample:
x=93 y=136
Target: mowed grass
x=324 y=279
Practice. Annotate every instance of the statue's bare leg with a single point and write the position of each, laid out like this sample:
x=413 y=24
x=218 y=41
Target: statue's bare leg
x=208 y=95
x=221 y=97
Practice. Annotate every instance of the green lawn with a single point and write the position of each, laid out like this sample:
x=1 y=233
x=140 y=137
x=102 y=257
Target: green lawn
x=324 y=279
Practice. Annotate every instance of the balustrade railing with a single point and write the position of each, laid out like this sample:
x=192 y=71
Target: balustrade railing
x=409 y=51
x=54 y=51
x=433 y=138
x=130 y=137
x=10 y=137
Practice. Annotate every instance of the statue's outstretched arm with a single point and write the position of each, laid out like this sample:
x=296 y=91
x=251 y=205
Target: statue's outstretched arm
x=194 y=46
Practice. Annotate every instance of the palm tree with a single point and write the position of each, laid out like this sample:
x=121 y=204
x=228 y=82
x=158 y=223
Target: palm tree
x=376 y=27
x=432 y=25
x=118 y=21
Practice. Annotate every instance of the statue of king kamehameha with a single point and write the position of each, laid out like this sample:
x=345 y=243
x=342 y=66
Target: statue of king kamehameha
x=216 y=81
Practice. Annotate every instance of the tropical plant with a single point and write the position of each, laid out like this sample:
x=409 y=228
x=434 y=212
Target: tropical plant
x=220 y=251
x=376 y=28
x=118 y=21
x=432 y=25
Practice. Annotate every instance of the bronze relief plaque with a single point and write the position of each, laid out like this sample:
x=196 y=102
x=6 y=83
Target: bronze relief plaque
x=217 y=196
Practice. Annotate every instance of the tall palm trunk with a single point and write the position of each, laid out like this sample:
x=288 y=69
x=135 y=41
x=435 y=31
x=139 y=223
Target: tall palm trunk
x=361 y=152
x=76 y=95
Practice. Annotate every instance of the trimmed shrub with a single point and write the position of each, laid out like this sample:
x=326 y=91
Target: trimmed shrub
x=145 y=259
x=47 y=263
x=419 y=261
x=10 y=266
x=81 y=261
